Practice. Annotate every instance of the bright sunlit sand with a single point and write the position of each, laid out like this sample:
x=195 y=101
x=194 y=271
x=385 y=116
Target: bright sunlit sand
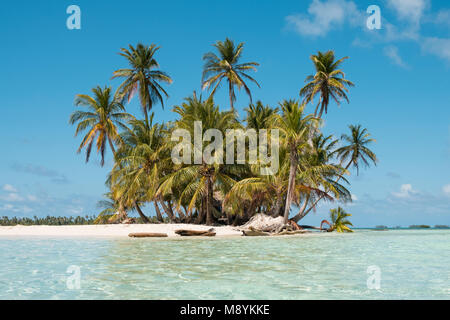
x=111 y=230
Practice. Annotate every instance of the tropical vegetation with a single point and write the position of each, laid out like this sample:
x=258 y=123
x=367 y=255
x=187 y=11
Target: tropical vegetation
x=312 y=165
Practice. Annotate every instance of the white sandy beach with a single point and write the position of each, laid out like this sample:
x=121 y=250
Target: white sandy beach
x=111 y=230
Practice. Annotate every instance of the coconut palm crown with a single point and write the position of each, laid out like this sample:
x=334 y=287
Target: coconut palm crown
x=226 y=66
x=328 y=82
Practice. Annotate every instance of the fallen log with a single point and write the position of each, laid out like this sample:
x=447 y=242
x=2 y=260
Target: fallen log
x=310 y=227
x=287 y=232
x=252 y=232
x=193 y=233
x=147 y=235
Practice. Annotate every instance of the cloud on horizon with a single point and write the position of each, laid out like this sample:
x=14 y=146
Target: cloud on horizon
x=41 y=171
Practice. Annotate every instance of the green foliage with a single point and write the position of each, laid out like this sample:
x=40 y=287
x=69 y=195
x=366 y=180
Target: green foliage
x=339 y=220
x=226 y=66
x=328 y=82
x=311 y=164
x=48 y=221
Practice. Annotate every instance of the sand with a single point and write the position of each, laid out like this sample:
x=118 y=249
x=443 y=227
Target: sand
x=111 y=230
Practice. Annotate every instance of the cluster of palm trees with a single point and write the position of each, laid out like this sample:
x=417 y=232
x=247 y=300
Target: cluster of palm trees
x=312 y=166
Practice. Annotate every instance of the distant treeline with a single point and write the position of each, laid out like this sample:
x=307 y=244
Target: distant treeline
x=424 y=226
x=62 y=221
x=50 y=221
x=414 y=226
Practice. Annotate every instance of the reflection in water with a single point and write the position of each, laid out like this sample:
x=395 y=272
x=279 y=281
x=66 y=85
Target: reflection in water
x=413 y=263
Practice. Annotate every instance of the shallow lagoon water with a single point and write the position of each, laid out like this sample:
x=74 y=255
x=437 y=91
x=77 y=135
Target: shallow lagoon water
x=414 y=264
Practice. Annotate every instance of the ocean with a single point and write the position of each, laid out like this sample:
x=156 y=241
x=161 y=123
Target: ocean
x=367 y=264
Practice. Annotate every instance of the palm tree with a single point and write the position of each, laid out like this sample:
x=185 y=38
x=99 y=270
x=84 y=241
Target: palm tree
x=141 y=161
x=295 y=128
x=104 y=116
x=354 y=152
x=329 y=82
x=226 y=66
x=318 y=171
x=202 y=180
x=357 y=149
x=258 y=116
x=338 y=220
x=142 y=77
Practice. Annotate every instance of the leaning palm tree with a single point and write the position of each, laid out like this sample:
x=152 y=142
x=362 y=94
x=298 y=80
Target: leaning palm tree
x=328 y=82
x=104 y=116
x=226 y=66
x=319 y=172
x=142 y=77
x=355 y=152
x=339 y=221
x=295 y=129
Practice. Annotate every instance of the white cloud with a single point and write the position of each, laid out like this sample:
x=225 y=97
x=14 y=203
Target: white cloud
x=443 y=17
x=392 y=53
x=437 y=46
x=409 y=10
x=354 y=197
x=406 y=191
x=12 y=197
x=16 y=209
x=32 y=198
x=9 y=188
x=324 y=15
x=446 y=189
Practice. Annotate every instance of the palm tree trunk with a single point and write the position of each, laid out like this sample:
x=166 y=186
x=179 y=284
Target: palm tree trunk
x=141 y=214
x=230 y=92
x=111 y=145
x=209 y=220
x=158 y=212
x=180 y=214
x=321 y=197
x=291 y=185
x=122 y=214
x=277 y=208
x=166 y=210
x=201 y=213
x=301 y=213
x=322 y=107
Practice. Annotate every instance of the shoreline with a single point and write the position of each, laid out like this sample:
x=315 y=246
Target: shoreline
x=112 y=230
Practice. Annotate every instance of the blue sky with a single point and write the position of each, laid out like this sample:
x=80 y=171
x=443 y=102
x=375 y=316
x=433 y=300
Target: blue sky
x=401 y=74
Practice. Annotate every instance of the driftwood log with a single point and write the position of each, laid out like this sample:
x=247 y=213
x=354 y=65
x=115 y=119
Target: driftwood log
x=147 y=235
x=290 y=228
x=193 y=233
x=286 y=232
x=252 y=232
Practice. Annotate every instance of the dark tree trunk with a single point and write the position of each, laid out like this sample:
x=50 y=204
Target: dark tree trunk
x=141 y=214
x=201 y=213
x=209 y=220
x=167 y=211
x=291 y=184
x=158 y=212
x=321 y=197
x=301 y=213
x=277 y=208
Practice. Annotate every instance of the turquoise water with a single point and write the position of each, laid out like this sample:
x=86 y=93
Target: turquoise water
x=413 y=264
